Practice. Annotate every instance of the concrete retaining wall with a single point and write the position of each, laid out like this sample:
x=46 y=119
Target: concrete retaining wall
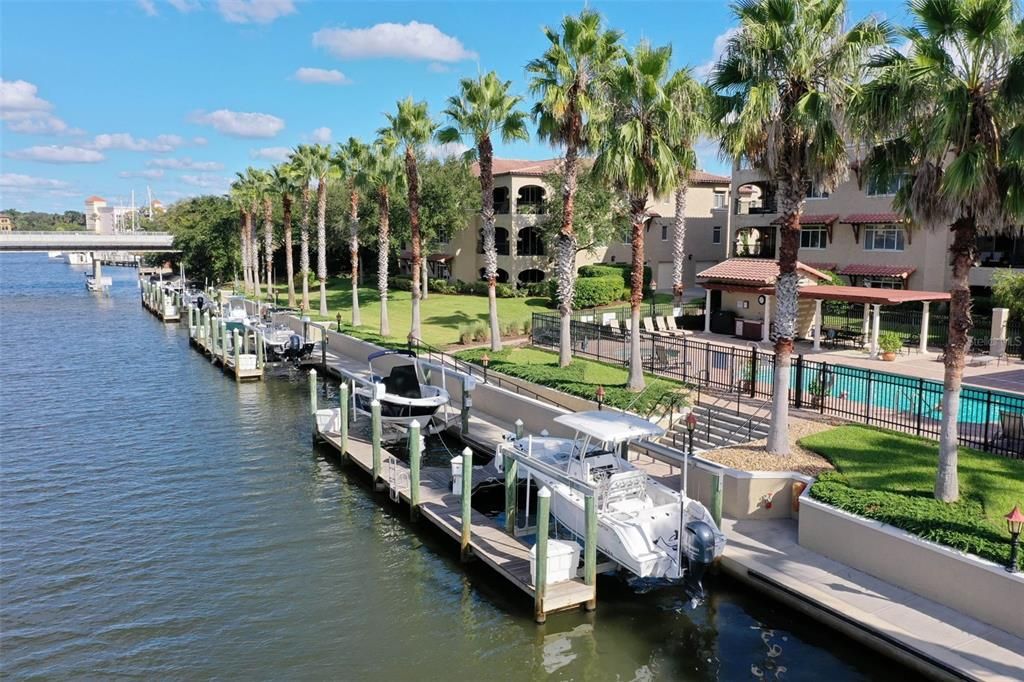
x=745 y=494
x=973 y=586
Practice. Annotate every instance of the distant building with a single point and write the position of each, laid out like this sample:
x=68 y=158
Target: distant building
x=6 y=224
x=156 y=206
x=99 y=217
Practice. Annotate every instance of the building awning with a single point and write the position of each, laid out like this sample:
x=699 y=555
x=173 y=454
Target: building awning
x=827 y=292
x=433 y=258
x=873 y=219
x=751 y=272
x=866 y=270
x=811 y=219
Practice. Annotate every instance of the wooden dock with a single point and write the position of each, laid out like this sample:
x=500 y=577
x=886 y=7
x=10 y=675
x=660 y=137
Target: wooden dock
x=507 y=555
x=206 y=334
x=155 y=300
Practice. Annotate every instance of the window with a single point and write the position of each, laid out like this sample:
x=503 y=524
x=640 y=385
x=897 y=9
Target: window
x=664 y=233
x=816 y=192
x=814 y=237
x=883 y=282
x=890 y=187
x=716 y=234
x=718 y=200
x=444 y=235
x=886 y=238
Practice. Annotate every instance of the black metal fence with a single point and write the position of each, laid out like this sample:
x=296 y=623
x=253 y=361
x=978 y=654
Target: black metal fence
x=989 y=421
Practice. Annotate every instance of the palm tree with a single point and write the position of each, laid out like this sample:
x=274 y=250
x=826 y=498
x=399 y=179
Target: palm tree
x=638 y=156
x=689 y=98
x=286 y=186
x=240 y=197
x=264 y=186
x=411 y=126
x=566 y=79
x=303 y=161
x=484 y=107
x=946 y=114
x=350 y=159
x=322 y=169
x=782 y=84
x=247 y=196
x=381 y=173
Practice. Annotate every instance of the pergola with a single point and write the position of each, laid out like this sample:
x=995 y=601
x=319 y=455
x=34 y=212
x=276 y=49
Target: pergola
x=873 y=300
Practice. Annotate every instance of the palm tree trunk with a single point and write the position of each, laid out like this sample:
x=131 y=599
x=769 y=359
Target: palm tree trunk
x=353 y=231
x=286 y=205
x=786 y=293
x=947 y=483
x=412 y=178
x=490 y=251
x=637 y=206
x=243 y=243
x=425 y=280
x=321 y=242
x=565 y=251
x=679 y=241
x=383 y=246
x=268 y=242
x=304 y=253
x=254 y=251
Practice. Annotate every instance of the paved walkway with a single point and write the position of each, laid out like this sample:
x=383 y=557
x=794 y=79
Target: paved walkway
x=770 y=550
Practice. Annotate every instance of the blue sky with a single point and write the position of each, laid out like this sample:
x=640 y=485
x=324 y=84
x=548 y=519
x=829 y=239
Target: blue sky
x=106 y=97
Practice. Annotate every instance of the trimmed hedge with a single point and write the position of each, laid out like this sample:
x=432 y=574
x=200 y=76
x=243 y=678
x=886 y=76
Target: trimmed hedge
x=443 y=286
x=601 y=284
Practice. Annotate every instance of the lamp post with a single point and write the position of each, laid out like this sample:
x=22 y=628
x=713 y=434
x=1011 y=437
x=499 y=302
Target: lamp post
x=1014 y=523
x=485 y=360
x=691 y=426
x=599 y=397
x=338 y=319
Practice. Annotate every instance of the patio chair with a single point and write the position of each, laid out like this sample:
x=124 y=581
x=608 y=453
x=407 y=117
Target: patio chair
x=614 y=326
x=668 y=325
x=649 y=327
x=666 y=358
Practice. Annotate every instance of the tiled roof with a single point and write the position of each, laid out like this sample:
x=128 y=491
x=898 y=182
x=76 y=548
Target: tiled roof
x=704 y=178
x=752 y=271
x=822 y=266
x=871 y=218
x=860 y=270
x=93 y=199
x=869 y=295
x=811 y=219
x=519 y=166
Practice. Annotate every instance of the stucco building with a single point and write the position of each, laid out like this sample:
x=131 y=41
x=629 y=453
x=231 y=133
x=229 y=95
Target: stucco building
x=6 y=224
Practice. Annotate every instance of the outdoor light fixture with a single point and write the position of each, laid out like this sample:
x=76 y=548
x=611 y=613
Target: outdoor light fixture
x=485 y=361
x=691 y=426
x=1014 y=523
x=599 y=396
x=338 y=318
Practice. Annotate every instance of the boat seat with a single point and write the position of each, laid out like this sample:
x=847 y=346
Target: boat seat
x=403 y=382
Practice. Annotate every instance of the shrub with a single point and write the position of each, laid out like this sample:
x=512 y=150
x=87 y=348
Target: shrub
x=481 y=332
x=890 y=341
x=599 y=271
x=465 y=335
x=504 y=291
x=442 y=286
x=400 y=283
x=539 y=288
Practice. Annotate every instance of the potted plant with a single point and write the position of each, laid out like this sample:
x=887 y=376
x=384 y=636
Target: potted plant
x=889 y=342
x=818 y=392
x=746 y=377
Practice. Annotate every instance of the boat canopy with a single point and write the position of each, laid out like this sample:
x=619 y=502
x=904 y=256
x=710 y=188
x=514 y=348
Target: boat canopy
x=611 y=427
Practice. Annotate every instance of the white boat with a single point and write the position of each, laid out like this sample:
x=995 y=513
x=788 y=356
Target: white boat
x=78 y=258
x=640 y=521
x=55 y=255
x=281 y=343
x=403 y=392
x=92 y=284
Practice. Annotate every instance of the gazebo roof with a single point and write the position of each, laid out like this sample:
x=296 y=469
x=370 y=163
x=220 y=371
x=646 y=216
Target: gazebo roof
x=752 y=272
x=828 y=292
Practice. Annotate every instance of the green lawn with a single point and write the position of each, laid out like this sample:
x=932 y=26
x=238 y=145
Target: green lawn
x=581 y=378
x=443 y=315
x=890 y=477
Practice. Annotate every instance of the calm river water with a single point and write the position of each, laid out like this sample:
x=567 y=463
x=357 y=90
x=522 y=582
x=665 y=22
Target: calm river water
x=159 y=520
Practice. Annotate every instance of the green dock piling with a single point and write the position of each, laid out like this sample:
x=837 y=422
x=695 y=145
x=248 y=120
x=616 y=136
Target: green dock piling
x=467 y=499
x=716 y=499
x=511 y=494
x=375 y=442
x=541 y=549
x=590 y=547
x=414 y=469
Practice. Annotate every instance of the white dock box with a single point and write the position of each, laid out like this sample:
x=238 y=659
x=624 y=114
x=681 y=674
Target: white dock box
x=247 y=362
x=563 y=558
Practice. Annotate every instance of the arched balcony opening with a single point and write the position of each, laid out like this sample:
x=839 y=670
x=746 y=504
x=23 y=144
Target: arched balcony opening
x=501 y=196
x=530 y=242
x=500 y=276
x=501 y=244
x=530 y=276
x=756 y=198
x=531 y=200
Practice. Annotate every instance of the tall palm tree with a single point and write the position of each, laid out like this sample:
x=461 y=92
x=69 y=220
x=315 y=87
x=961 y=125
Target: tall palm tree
x=949 y=114
x=689 y=98
x=782 y=83
x=303 y=161
x=483 y=108
x=412 y=127
x=247 y=195
x=286 y=186
x=566 y=79
x=322 y=169
x=350 y=159
x=240 y=197
x=382 y=173
x=265 y=191
x=639 y=157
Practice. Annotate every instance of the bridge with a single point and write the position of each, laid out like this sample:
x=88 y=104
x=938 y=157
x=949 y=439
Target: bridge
x=136 y=242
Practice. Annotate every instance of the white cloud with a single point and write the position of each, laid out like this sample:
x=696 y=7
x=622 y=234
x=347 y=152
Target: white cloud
x=254 y=11
x=206 y=181
x=185 y=163
x=24 y=111
x=151 y=174
x=240 y=123
x=404 y=41
x=199 y=141
x=308 y=74
x=275 y=154
x=161 y=143
x=321 y=135
x=57 y=154
x=438 y=67
x=717 y=50
x=444 y=151
x=148 y=7
x=16 y=181
x=184 y=6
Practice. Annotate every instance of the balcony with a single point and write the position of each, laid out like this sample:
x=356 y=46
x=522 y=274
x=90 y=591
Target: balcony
x=759 y=206
x=501 y=207
x=532 y=207
x=754 y=242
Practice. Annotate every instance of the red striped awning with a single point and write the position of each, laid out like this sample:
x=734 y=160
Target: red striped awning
x=866 y=270
x=873 y=219
x=811 y=219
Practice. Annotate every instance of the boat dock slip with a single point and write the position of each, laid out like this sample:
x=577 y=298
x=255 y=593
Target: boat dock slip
x=239 y=352
x=159 y=301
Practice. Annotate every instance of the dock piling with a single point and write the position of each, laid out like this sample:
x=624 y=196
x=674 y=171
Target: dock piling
x=467 y=402
x=236 y=347
x=541 y=553
x=312 y=391
x=259 y=348
x=467 y=499
x=414 y=469
x=590 y=547
x=519 y=428
x=716 y=499
x=511 y=494
x=375 y=443
x=343 y=416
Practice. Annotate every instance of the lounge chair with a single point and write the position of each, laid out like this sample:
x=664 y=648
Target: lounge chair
x=669 y=325
x=649 y=327
x=665 y=358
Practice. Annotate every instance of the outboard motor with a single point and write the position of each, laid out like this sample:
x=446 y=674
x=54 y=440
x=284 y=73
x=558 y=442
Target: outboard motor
x=294 y=350
x=700 y=550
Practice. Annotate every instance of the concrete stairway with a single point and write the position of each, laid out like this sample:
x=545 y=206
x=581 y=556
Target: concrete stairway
x=718 y=426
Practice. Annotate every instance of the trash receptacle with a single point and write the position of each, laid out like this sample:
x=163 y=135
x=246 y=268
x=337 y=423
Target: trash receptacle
x=563 y=558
